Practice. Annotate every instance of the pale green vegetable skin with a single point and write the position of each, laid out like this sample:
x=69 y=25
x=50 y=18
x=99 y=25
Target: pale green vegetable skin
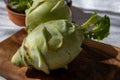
x=50 y=46
x=45 y=10
x=53 y=41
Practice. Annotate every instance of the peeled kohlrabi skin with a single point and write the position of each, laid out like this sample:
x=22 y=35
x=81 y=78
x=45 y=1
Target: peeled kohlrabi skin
x=50 y=46
x=45 y=10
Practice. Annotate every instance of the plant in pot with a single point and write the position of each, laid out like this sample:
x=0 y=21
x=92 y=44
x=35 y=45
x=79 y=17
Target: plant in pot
x=16 y=10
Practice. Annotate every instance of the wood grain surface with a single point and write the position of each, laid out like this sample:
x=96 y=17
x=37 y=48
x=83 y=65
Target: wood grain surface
x=97 y=61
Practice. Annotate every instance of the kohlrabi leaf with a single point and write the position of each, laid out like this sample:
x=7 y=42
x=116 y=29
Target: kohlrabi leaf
x=97 y=28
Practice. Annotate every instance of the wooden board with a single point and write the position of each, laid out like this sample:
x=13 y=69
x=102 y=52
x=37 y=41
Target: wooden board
x=97 y=61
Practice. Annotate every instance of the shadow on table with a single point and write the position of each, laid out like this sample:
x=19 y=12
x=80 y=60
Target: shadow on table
x=82 y=68
x=97 y=61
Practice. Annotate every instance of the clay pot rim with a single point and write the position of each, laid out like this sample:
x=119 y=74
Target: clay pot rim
x=13 y=12
x=16 y=18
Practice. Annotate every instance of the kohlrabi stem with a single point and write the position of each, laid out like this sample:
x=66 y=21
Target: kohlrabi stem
x=89 y=22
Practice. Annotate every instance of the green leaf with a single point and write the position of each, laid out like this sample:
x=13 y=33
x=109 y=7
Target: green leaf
x=19 y=5
x=100 y=29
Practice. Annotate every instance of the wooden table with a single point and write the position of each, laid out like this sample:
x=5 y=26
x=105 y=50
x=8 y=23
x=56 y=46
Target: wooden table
x=97 y=61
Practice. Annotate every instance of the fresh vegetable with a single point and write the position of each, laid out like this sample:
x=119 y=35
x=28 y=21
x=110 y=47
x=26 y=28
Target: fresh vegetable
x=97 y=29
x=46 y=10
x=19 y=5
x=56 y=43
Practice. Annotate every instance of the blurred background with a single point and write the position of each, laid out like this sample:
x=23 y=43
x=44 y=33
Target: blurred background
x=81 y=11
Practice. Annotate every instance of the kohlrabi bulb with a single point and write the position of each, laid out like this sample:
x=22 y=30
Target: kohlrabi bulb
x=46 y=10
x=50 y=46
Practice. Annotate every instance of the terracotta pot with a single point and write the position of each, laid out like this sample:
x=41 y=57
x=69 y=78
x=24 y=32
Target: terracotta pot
x=17 y=18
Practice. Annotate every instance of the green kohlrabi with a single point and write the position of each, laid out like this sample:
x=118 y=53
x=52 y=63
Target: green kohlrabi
x=56 y=43
x=46 y=10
